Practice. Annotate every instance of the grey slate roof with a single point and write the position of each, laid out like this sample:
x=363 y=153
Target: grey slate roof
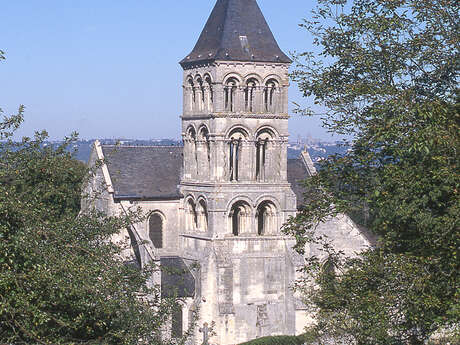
x=176 y=278
x=144 y=172
x=222 y=36
x=153 y=172
x=297 y=172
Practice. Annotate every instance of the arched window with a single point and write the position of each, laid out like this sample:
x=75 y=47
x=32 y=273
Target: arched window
x=240 y=216
x=263 y=139
x=249 y=95
x=210 y=93
x=270 y=91
x=192 y=94
x=156 y=230
x=230 y=94
x=201 y=94
x=266 y=218
x=190 y=151
x=235 y=151
x=202 y=216
x=190 y=216
x=235 y=146
x=204 y=139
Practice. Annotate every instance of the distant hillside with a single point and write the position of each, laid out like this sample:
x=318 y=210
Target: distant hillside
x=317 y=150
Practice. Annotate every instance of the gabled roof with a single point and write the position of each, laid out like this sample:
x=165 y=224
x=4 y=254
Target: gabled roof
x=296 y=173
x=144 y=172
x=154 y=172
x=236 y=31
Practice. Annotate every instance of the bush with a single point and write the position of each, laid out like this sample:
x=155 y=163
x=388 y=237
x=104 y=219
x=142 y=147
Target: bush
x=279 y=340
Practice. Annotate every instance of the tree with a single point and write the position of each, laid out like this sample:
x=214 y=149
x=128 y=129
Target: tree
x=388 y=76
x=62 y=281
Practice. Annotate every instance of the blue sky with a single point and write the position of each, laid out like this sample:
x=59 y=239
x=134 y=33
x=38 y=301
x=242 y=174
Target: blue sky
x=109 y=69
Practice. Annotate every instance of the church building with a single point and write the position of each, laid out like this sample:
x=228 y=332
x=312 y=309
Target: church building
x=215 y=207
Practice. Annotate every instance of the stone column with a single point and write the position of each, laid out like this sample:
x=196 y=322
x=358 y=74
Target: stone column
x=207 y=99
x=285 y=100
x=239 y=99
x=245 y=166
x=258 y=99
x=278 y=101
x=218 y=104
x=198 y=99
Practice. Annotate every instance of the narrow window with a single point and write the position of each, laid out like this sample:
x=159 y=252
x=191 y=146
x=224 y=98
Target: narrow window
x=191 y=95
x=236 y=221
x=191 y=216
x=234 y=158
x=202 y=216
x=249 y=94
x=269 y=95
x=261 y=149
x=229 y=94
x=210 y=99
x=260 y=222
x=202 y=96
x=240 y=218
x=156 y=230
x=266 y=219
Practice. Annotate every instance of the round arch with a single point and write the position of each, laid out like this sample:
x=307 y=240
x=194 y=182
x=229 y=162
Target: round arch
x=234 y=76
x=202 y=214
x=203 y=132
x=266 y=218
x=272 y=77
x=190 y=213
x=191 y=132
x=208 y=77
x=240 y=217
x=156 y=224
x=253 y=76
x=272 y=132
x=239 y=129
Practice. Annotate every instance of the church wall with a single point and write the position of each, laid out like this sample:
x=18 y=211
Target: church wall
x=245 y=287
x=170 y=212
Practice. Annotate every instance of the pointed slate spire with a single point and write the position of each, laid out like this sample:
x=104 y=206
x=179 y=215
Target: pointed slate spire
x=236 y=31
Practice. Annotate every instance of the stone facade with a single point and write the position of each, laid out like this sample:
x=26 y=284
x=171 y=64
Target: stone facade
x=220 y=201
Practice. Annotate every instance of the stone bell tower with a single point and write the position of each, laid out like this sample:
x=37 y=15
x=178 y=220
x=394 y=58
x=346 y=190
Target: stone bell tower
x=234 y=183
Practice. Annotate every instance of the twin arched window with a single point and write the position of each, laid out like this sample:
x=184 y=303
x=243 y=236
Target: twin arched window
x=236 y=140
x=250 y=95
x=196 y=216
x=270 y=95
x=240 y=215
x=265 y=218
x=230 y=94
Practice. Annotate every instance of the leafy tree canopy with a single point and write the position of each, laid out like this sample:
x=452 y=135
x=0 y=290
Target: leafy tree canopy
x=388 y=76
x=62 y=281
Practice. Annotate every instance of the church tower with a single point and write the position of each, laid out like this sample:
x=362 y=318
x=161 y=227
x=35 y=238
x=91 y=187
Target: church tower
x=234 y=181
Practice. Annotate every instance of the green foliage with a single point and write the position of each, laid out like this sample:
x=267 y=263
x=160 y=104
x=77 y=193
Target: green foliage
x=278 y=340
x=388 y=75
x=62 y=281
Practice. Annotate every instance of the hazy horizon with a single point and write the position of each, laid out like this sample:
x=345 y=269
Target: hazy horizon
x=110 y=69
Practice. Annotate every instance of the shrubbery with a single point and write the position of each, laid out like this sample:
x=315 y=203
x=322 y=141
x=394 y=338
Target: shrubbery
x=279 y=340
